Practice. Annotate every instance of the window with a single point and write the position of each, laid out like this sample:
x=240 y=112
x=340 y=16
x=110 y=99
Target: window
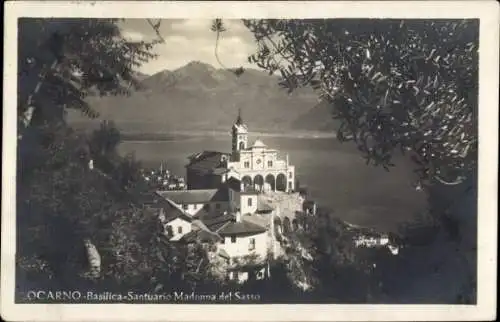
x=290 y=175
x=217 y=206
x=249 y=202
x=185 y=206
x=246 y=164
x=252 y=244
x=233 y=239
x=206 y=206
x=270 y=164
x=179 y=229
x=195 y=206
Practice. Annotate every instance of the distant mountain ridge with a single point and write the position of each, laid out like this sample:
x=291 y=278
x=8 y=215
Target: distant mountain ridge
x=200 y=97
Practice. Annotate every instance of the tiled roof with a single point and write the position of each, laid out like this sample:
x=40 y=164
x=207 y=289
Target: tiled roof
x=203 y=213
x=215 y=223
x=195 y=196
x=151 y=200
x=207 y=161
x=261 y=220
x=241 y=228
x=171 y=212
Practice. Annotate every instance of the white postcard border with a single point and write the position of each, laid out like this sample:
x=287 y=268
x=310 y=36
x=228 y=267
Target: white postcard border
x=486 y=11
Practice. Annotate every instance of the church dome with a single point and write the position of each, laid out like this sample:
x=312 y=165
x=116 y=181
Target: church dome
x=258 y=144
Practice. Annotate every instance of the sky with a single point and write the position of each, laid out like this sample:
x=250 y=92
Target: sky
x=189 y=40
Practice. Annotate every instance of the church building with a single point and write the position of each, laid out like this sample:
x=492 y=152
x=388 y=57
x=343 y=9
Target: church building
x=225 y=206
x=257 y=166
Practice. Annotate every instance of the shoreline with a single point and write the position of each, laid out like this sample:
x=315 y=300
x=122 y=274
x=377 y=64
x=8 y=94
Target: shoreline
x=171 y=135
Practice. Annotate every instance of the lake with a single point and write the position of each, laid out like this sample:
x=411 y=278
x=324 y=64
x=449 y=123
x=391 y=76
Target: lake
x=335 y=174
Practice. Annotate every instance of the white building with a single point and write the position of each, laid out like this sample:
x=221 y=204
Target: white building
x=196 y=202
x=224 y=192
x=242 y=238
x=257 y=166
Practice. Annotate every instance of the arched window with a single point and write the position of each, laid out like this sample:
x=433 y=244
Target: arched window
x=281 y=182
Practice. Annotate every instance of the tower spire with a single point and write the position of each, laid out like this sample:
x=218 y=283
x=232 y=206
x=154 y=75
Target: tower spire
x=239 y=120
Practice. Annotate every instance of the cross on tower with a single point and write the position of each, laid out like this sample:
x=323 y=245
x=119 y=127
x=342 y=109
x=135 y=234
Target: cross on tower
x=239 y=120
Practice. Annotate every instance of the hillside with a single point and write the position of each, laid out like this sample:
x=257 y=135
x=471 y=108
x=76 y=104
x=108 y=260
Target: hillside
x=200 y=97
x=318 y=118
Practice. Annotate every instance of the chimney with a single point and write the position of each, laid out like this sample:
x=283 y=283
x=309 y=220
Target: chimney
x=238 y=216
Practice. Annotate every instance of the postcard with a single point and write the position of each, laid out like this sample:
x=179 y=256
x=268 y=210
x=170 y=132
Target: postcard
x=250 y=161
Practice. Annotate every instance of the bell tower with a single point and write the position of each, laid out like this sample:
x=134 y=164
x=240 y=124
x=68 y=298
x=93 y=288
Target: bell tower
x=239 y=136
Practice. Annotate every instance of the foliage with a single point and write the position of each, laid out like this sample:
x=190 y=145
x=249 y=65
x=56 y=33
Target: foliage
x=408 y=85
x=396 y=85
x=104 y=141
x=60 y=201
x=136 y=252
x=340 y=272
x=219 y=28
x=61 y=61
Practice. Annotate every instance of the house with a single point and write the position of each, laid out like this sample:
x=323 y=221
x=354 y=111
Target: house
x=175 y=221
x=196 y=202
x=243 y=238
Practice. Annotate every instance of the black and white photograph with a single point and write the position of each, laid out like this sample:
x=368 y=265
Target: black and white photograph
x=236 y=158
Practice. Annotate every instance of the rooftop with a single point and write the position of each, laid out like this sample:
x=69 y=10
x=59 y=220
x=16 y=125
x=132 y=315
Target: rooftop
x=258 y=219
x=207 y=161
x=215 y=223
x=258 y=144
x=195 y=196
x=169 y=212
x=242 y=227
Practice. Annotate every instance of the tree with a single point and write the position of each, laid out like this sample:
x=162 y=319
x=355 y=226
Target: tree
x=395 y=85
x=137 y=254
x=103 y=143
x=61 y=61
x=61 y=203
x=408 y=85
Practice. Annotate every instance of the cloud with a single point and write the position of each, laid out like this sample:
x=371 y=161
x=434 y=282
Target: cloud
x=132 y=35
x=191 y=39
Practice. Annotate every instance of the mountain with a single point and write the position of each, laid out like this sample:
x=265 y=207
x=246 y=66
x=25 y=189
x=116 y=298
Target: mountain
x=318 y=118
x=141 y=76
x=200 y=97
